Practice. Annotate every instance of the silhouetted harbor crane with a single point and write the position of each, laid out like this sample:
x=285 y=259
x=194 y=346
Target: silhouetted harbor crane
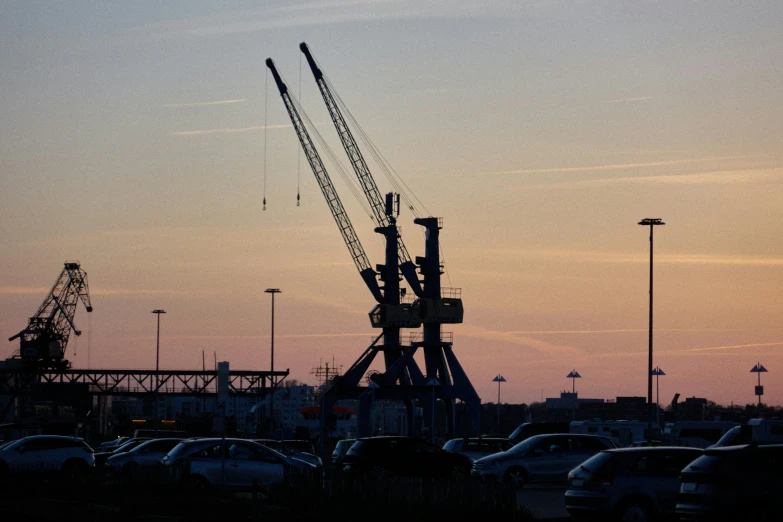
x=43 y=342
x=403 y=379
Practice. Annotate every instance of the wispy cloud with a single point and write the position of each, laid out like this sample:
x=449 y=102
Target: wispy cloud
x=247 y=337
x=312 y=14
x=227 y=130
x=520 y=339
x=131 y=292
x=200 y=104
x=616 y=166
x=23 y=290
x=624 y=100
x=584 y=256
x=41 y=290
x=727 y=347
x=722 y=177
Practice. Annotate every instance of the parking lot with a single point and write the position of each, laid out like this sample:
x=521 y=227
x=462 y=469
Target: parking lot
x=543 y=502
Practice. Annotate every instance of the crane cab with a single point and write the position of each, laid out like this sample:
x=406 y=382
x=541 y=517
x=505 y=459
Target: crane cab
x=447 y=310
x=394 y=315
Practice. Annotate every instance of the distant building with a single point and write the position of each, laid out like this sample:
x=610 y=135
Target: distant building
x=570 y=407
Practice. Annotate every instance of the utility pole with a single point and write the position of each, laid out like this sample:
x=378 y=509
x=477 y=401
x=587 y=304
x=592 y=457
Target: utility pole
x=157 y=369
x=652 y=223
x=658 y=372
x=272 y=291
x=498 y=380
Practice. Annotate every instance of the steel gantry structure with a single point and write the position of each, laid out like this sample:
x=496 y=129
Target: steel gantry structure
x=403 y=379
x=15 y=382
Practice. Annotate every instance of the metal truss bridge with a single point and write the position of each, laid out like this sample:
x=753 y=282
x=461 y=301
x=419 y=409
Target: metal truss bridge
x=241 y=383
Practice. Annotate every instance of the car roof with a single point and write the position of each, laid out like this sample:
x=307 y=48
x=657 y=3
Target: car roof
x=654 y=449
x=573 y=435
x=390 y=437
x=61 y=437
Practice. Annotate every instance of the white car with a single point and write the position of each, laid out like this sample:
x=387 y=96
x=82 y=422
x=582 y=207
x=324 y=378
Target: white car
x=36 y=453
x=144 y=457
x=234 y=464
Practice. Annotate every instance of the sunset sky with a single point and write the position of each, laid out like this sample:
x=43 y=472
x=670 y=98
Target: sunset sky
x=132 y=140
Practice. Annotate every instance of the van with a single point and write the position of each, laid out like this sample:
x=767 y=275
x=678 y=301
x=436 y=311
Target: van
x=528 y=429
x=622 y=432
x=697 y=434
x=758 y=431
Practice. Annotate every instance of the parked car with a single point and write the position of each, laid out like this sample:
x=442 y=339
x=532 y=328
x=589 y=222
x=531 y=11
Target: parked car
x=103 y=456
x=71 y=455
x=305 y=446
x=629 y=483
x=528 y=429
x=403 y=456
x=113 y=444
x=733 y=483
x=234 y=464
x=756 y=431
x=143 y=458
x=340 y=450
x=541 y=458
x=285 y=449
x=476 y=448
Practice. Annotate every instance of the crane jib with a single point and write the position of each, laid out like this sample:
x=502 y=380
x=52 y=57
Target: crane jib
x=327 y=188
x=362 y=171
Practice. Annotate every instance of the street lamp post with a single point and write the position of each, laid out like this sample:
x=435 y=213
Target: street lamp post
x=652 y=223
x=272 y=291
x=758 y=370
x=157 y=369
x=373 y=386
x=573 y=375
x=498 y=380
x=433 y=382
x=658 y=372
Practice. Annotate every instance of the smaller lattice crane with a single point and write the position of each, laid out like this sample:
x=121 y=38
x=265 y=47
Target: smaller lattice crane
x=43 y=342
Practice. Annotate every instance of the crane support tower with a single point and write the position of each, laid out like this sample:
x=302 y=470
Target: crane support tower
x=402 y=380
x=42 y=344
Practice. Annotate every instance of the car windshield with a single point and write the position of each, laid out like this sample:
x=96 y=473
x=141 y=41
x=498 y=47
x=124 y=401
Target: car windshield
x=525 y=445
x=598 y=461
x=178 y=448
x=354 y=449
x=278 y=446
x=451 y=445
x=736 y=436
x=300 y=445
x=128 y=446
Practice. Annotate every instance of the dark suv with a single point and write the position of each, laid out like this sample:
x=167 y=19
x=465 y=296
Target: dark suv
x=628 y=483
x=733 y=483
x=403 y=456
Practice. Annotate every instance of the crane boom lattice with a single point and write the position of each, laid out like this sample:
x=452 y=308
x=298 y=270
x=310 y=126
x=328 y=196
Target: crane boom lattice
x=370 y=188
x=327 y=188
